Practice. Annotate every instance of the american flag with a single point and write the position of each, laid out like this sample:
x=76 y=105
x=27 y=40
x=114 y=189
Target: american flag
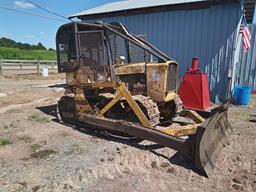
x=245 y=31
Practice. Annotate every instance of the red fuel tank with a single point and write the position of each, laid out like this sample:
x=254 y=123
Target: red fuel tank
x=194 y=89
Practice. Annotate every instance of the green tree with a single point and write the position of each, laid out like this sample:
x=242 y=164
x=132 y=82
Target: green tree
x=5 y=42
x=40 y=46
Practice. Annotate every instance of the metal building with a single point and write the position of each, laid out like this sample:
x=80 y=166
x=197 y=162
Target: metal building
x=246 y=66
x=183 y=29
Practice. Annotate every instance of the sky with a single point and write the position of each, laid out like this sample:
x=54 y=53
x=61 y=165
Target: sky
x=31 y=29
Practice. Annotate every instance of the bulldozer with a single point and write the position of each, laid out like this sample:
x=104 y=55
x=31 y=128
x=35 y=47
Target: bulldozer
x=119 y=82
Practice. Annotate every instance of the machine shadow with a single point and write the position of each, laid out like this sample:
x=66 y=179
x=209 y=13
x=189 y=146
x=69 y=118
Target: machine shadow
x=177 y=159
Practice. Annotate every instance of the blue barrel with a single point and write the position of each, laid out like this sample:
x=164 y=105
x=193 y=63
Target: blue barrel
x=242 y=95
x=236 y=91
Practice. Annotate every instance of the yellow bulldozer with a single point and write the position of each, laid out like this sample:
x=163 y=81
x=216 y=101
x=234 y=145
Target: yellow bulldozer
x=119 y=82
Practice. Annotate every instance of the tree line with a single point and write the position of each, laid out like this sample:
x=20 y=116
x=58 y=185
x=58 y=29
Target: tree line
x=5 y=42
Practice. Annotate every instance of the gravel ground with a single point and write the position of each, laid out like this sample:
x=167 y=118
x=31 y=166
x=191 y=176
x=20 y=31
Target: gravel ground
x=39 y=154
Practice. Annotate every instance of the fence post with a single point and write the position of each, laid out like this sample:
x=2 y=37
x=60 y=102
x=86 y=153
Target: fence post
x=52 y=65
x=21 y=65
x=37 y=65
x=1 y=69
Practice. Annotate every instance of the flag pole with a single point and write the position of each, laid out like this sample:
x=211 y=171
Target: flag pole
x=235 y=57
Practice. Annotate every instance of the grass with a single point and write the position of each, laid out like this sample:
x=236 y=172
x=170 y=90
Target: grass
x=14 y=110
x=4 y=142
x=75 y=148
x=11 y=125
x=25 y=138
x=15 y=53
x=42 y=154
x=34 y=147
x=36 y=117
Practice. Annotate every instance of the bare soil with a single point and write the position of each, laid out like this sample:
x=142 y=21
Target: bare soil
x=43 y=155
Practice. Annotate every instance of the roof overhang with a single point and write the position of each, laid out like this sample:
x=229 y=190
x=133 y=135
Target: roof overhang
x=106 y=10
x=249 y=7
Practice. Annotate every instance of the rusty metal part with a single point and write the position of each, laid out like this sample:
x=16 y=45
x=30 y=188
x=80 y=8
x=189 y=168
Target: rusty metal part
x=66 y=108
x=139 y=131
x=183 y=125
x=147 y=105
x=195 y=116
x=150 y=107
x=82 y=104
x=210 y=138
x=178 y=104
x=177 y=130
x=159 y=78
x=123 y=92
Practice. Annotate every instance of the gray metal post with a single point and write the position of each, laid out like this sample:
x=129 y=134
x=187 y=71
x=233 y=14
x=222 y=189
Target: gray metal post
x=235 y=56
x=37 y=65
x=1 y=69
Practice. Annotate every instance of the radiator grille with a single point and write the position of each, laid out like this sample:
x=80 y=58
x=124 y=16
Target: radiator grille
x=172 y=78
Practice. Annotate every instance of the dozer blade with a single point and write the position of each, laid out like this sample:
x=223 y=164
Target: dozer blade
x=210 y=138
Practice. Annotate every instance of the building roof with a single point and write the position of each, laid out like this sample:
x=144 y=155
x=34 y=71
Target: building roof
x=125 y=5
x=140 y=6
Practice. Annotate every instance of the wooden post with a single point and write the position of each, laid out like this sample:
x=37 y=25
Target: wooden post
x=52 y=65
x=1 y=69
x=37 y=65
x=20 y=64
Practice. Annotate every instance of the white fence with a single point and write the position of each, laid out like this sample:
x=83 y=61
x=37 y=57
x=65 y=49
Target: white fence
x=26 y=66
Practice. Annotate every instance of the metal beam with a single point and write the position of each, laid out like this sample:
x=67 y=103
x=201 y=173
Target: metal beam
x=182 y=145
